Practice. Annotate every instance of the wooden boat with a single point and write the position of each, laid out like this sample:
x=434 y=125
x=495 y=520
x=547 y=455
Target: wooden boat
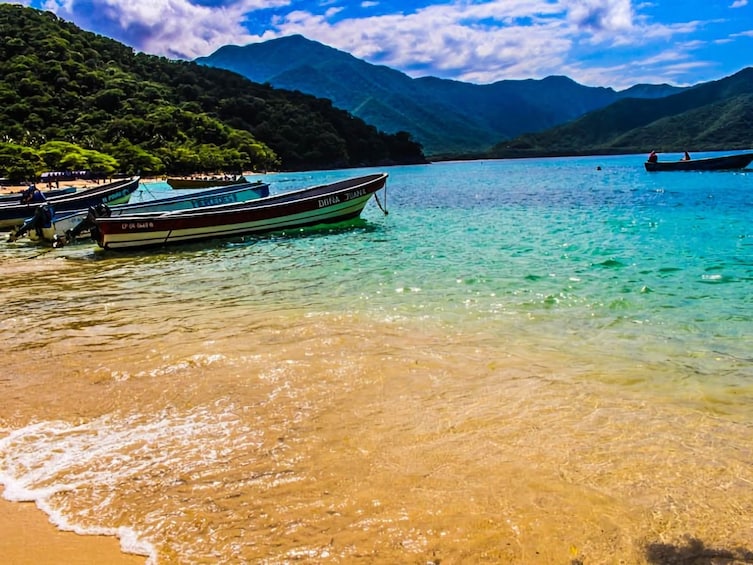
x=15 y=197
x=325 y=204
x=206 y=182
x=66 y=227
x=117 y=192
x=723 y=163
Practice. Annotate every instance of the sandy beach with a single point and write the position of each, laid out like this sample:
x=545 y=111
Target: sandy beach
x=27 y=537
x=78 y=183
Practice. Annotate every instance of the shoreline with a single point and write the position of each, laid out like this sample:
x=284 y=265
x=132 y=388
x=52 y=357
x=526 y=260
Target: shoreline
x=79 y=184
x=28 y=537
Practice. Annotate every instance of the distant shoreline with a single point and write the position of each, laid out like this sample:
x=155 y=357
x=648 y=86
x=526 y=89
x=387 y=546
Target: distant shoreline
x=79 y=184
x=87 y=183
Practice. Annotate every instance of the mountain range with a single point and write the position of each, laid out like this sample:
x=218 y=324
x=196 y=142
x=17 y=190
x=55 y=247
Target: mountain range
x=447 y=117
x=712 y=116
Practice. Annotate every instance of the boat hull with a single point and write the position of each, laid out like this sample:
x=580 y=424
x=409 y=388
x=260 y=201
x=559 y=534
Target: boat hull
x=118 y=192
x=326 y=204
x=724 y=163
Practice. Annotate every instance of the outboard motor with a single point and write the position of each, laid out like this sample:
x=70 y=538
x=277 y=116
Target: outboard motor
x=100 y=210
x=40 y=222
x=44 y=218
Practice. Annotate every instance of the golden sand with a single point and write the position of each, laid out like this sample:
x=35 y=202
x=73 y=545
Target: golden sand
x=78 y=183
x=27 y=537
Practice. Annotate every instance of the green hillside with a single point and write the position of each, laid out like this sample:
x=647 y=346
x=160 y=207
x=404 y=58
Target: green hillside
x=712 y=116
x=72 y=99
x=387 y=98
x=446 y=116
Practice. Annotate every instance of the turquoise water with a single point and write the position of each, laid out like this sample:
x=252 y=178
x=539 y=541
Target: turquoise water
x=555 y=252
x=514 y=343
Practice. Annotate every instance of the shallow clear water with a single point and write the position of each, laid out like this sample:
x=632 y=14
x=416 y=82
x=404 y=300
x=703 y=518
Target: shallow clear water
x=528 y=361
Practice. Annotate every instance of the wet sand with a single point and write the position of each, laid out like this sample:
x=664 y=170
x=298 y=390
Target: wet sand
x=43 y=186
x=27 y=537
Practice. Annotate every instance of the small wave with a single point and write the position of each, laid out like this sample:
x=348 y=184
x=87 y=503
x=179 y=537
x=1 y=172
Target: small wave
x=610 y=264
x=73 y=473
x=716 y=278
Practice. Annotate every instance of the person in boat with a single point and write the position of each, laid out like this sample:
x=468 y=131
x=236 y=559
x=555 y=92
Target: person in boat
x=653 y=157
x=32 y=195
x=686 y=157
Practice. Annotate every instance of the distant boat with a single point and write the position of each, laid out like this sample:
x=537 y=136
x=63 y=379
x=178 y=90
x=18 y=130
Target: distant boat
x=723 y=163
x=205 y=182
x=66 y=227
x=118 y=192
x=325 y=204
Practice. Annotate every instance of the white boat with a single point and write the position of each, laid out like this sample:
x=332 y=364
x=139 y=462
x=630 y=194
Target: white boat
x=14 y=214
x=68 y=226
x=326 y=204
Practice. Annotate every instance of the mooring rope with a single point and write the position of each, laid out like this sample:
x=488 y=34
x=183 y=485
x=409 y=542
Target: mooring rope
x=382 y=208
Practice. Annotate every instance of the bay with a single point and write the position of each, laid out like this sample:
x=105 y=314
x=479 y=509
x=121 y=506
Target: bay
x=525 y=361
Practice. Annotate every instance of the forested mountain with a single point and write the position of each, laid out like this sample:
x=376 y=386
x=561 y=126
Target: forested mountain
x=712 y=116
x=445 y=116
x=73 y=99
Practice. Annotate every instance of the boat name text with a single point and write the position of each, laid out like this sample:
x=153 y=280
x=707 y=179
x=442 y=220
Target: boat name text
x=335 y=199
x=117 y=195
x=329 y=201
x=214 y=200
x=355 y=193
x=136 y=225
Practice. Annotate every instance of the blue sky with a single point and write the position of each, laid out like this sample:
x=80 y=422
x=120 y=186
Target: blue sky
x=615 y=43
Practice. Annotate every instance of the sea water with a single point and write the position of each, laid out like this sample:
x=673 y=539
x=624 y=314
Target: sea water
x=525 y=361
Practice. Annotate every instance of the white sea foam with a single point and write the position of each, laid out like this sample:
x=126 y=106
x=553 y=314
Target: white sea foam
x=46 y=459
x=130 y=541
x=199 y=360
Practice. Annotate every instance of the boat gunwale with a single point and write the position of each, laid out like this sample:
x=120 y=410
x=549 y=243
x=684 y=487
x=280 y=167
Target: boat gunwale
x=208 y=193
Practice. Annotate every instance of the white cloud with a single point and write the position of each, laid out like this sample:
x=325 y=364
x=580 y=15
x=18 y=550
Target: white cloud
x=174 y=28
x=669 y=66
x=446 y=38
x=477 y=41
x=599 y=16
x=490 y=41
x=739 y=4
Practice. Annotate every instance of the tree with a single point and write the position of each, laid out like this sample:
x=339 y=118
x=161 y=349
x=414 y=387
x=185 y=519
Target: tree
x=65 y=156
x=136 y=160
x=19 y=163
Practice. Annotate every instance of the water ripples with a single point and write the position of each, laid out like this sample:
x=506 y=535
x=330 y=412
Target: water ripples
x=582 y=333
